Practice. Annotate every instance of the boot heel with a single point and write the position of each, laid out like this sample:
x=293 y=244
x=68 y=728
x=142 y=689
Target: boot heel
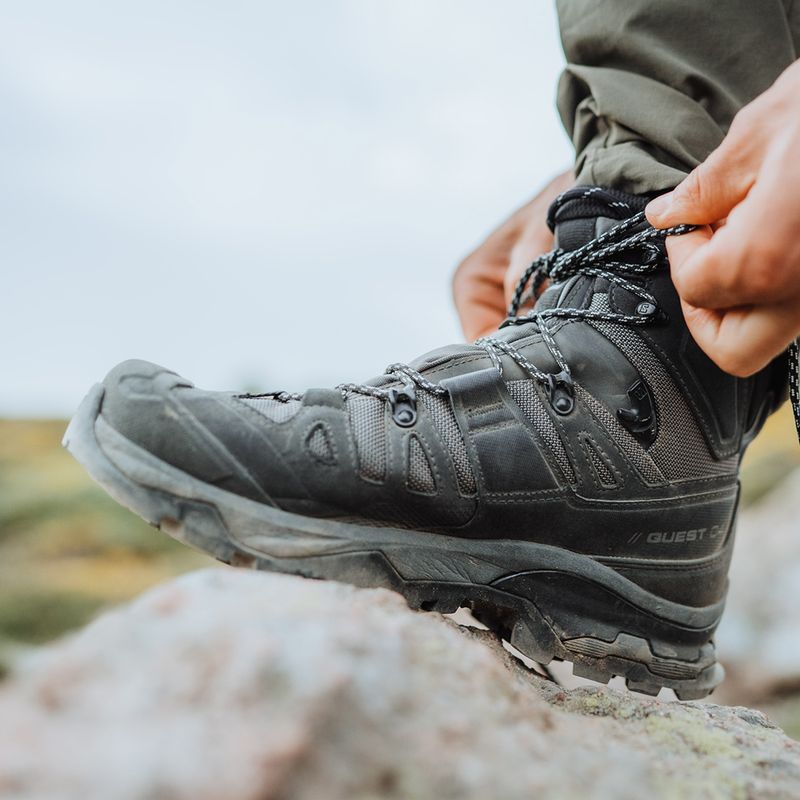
x=604 y=634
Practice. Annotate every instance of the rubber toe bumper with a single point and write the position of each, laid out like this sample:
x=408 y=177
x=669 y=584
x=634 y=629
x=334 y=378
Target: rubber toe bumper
x=201 y=433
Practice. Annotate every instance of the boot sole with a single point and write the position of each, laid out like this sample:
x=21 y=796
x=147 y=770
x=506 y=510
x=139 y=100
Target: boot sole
x=563 y=606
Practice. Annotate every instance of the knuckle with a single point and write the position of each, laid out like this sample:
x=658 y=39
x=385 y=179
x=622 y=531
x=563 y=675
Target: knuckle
x=741 y=120
x=684 y=285
x=761 y=272
x=727 y=275
x=759 y=279
x=748 y=119
x=733 y=360
x=771 y=254
x=692 y=191
x=700 y=281
x=700 y=190
x=694 y=294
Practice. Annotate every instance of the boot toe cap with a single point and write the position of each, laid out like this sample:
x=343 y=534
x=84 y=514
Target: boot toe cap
x=164 y=414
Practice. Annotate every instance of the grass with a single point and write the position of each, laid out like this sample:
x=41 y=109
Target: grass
x=771 y=457
x=67 y=550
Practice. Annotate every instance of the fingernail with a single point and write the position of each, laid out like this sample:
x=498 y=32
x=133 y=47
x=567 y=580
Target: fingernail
x=660 y=205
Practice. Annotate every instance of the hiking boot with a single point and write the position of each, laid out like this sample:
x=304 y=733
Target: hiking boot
x=572 y=479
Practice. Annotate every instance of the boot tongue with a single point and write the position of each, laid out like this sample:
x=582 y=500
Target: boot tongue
x=576 y=218
x=585 y=212
x=570 y=234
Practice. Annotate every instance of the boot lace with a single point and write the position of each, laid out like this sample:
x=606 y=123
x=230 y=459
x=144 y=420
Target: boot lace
x=600 y=258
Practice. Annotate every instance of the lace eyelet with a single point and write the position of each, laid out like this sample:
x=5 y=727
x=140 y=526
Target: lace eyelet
x=403 y=403
x=562 y=392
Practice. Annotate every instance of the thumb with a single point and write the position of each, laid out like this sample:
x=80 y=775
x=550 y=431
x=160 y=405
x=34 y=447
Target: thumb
x=706 y=195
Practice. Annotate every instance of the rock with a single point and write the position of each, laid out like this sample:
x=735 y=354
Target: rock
x=239 y=685
x=759 y=637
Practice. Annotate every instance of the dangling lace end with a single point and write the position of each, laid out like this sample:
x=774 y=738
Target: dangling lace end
x=539 y=271
x=794 y=382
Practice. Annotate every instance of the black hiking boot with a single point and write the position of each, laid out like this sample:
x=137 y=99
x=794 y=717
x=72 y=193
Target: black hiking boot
x=572 y=479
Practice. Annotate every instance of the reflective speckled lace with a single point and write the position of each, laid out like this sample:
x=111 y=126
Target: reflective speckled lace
x=601 y=257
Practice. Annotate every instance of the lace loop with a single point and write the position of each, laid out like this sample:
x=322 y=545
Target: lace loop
x=603 y=258
x=599 y=258
x=559 y=266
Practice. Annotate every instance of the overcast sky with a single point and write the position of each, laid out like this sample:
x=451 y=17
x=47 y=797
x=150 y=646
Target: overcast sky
x=264 y=194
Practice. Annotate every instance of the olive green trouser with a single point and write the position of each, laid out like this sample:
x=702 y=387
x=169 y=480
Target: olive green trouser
x=651 y=86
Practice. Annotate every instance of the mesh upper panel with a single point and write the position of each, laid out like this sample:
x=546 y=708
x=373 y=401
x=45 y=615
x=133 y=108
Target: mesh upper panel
x=680 y=449
x=276 y=410
x=368 y=423
x=445 y=422
x=600 y=302
x=420 y=476
x=525 y=396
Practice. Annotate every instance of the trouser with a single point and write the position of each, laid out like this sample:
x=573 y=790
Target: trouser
x=651 y=86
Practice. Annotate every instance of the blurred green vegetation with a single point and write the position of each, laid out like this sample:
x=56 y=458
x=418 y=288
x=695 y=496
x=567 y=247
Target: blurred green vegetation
x=771 y=457
x=67 y=549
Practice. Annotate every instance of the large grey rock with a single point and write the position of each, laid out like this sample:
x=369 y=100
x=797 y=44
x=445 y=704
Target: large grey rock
x=230 y=684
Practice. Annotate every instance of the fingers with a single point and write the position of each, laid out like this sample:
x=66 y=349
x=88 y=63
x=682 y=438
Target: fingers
x=478 y=279
x=712 y=270
x=482 y=283
x=535 y=238
x=707 y=194
x=684 y=253
x=742 y=341
x=753 y=259
x=718 y=270
x=478 y=294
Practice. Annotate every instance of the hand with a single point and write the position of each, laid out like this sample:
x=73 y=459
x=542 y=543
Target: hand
x=739 y=276
x=484 y=281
